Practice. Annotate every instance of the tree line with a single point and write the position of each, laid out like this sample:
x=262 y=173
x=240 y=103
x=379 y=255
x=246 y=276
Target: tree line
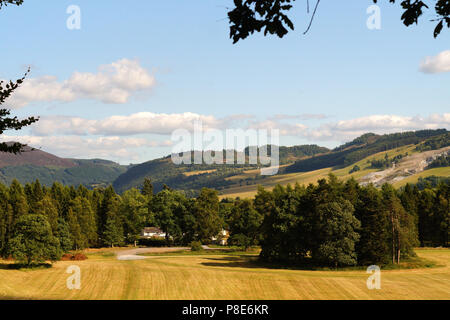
x=333 y=223
x=339 y=224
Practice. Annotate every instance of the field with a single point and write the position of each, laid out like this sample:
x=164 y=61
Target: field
x=220 y=277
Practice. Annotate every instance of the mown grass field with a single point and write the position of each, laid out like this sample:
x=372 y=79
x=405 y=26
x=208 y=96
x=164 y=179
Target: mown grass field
x=221 y=277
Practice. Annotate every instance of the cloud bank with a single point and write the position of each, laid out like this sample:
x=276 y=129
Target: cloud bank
x=437 y=64
x=165 y=124
x=114 y=83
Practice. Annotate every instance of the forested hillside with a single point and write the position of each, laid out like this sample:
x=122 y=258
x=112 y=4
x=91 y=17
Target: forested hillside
x=35 y=164
x=370 y=144
x=191 y=178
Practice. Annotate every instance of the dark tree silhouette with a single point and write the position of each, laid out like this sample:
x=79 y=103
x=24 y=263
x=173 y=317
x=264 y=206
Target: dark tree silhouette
x=6 y=2
x=11 y=123
x=270 y=16
x=6 y=89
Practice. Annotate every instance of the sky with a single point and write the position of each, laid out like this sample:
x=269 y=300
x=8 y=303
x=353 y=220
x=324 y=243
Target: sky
x=134 y=72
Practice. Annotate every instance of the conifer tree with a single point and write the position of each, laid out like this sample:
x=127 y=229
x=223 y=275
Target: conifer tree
x=47 y=208
x=63 y=235
x=113 y=234
x=76 y=236
x=17 y=200
x=373 y=247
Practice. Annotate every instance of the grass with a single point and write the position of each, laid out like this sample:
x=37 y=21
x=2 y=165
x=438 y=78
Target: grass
x=224 y=277
x=248 y=191
x=439 y=172
x=198 y=172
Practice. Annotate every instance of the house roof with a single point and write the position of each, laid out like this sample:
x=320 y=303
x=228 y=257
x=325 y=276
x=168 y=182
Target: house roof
x=152 y=230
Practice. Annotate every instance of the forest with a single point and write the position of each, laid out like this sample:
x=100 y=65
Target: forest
x=333 y=223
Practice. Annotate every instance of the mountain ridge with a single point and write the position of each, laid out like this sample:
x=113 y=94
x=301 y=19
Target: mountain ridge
x=191 y=178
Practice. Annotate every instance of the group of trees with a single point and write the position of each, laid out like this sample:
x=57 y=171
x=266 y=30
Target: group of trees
x=62 y=218
x=339 y=224
x=386 y=162
x=332 y=223
x=435 y=143
x=441 y=161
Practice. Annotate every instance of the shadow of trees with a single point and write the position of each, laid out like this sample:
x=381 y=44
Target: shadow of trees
x=21 y=266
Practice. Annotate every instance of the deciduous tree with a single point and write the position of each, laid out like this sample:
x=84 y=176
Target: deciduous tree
x=33 y=241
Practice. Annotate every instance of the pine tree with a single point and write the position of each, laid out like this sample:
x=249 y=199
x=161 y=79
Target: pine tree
x=87 y=220
x=60 y=195
x=47 y=208
x=134 y=208
x=147 y=188
x=403 y=236
x=76 y=236
x=17 y=200
x=373 y=247
x=113 y=234
x=5 y=219
x=63 y=235
x=109 y=207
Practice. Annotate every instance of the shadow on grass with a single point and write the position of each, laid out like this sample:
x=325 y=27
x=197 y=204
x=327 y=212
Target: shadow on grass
x=22 y=266
x=252 y=262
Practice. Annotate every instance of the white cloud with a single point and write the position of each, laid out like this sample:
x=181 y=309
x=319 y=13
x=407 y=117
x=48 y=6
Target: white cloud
x=436 y=64
x=285 y=129
x=346 y=130
x=303 y=116
x=128 y=138
x=137 y=123
x=114 y=83
x=165 y=124
x=116 y=148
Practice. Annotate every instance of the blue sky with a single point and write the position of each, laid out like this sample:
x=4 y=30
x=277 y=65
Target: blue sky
x=338 y=81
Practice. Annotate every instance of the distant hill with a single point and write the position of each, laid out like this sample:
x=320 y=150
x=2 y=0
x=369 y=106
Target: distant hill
x=293 y=160
x=400 y=165
x=397 y=158
x=34 y=157
x=35 y=164
x=192 y=178
x=365 y=146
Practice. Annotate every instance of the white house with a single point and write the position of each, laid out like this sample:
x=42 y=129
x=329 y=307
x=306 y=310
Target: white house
x=152 y=232
x=222 y=237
